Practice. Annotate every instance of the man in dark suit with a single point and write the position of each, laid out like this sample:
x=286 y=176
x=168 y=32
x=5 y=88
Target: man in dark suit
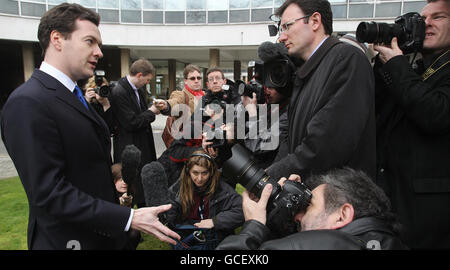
x=60 y=146
x=134 y=117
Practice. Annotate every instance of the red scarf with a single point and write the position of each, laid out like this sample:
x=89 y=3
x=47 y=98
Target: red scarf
x=195 y=93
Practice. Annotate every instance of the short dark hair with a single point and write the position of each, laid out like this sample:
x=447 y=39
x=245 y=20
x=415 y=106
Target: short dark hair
x=190 y=68
x=356 y=188
x=309 y=7
x=215 y=69
x=62 y=18
x=142 y=66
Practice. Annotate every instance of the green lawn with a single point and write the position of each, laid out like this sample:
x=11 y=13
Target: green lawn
x=14 y=218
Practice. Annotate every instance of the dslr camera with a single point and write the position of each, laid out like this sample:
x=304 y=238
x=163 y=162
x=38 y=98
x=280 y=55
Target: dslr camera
x=408 y=28
x=284 y=203
x=101 y=90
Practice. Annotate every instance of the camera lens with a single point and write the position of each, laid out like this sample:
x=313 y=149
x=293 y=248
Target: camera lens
x=242 y=168
x=277 y=72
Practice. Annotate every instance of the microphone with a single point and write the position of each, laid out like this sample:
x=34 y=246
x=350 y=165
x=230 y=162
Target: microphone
x=131 y=160
x=268 y=51
x=155 y=184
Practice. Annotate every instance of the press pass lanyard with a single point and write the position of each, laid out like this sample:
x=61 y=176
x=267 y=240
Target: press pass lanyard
x=200 y=208
x=439 y=63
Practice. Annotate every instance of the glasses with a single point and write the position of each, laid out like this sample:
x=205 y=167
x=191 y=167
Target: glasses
x=193 y=78
x=217 y=78
x=285 y=26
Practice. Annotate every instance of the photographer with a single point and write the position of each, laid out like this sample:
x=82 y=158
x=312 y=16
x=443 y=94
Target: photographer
x=347 y=211
x=265 y=146
x=331 y=111
x=180 y=149
x=413 y=131
x=100 y=103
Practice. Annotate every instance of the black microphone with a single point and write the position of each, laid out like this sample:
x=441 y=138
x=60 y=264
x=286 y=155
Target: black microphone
x=131 y=160
x=155 y=184
x=268 y=51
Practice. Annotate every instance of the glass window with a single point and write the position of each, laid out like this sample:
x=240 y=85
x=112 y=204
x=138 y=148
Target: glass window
x=32 y=9
x=86 y=3
x=108 y=15
x=337 y=1
x=262 y=3
x=277 y=3
x=362 y=1
x=239 y=3
x=153 y=4
x=195 y=16
x=195 y=4
x=9 y=6
x=413 y=6
x=57 y=2
x=239 y=16
x=130 y=16
x=174 y=5
x=107 y=3
x=130 y=5
x=217 y=16
x=339 y=11
x=388 y=10
x=217 y=4
x=261 y=15
x=153 y=17
x=360 y=11
x=175 y=17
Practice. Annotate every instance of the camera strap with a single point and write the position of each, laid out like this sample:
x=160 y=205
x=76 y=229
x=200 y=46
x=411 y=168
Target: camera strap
x=439 y=63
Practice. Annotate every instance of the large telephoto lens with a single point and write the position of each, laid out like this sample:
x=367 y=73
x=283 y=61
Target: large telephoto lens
x=377 y=33
x=242 y=168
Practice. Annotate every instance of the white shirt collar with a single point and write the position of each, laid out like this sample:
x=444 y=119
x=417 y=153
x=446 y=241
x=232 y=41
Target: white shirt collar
x=318 y=46
x=132 y=85
x=59 y=75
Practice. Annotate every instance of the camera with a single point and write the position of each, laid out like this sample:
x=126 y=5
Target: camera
x=101 y=90
x=284 y=203
x=408 y=28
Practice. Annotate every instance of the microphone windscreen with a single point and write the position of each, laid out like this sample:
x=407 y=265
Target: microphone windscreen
x=131 y=160
x=268 y=51
x=155 y=184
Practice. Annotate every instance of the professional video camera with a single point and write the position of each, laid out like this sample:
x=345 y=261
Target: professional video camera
x=284 y=203
x=408 y=28
x=275 y=69
x=101 y=90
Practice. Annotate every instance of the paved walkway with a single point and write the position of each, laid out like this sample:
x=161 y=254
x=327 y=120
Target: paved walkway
x=7 y=168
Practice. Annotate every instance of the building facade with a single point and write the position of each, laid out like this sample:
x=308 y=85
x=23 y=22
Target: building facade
x=171 y=34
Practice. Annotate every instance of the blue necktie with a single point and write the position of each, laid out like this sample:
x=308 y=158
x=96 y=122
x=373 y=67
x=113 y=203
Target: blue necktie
x=80 y=96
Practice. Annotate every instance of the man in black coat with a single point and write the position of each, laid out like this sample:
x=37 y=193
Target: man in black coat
x=134 y=117
x=331 y=112
x=413 y=132
x=61 y=147
x=347 y=212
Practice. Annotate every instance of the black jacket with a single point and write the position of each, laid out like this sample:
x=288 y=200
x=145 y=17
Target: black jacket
x=413 y=149
x=331 y=114
x=225 y=209
x=133 y=126
x=363 y=233
x=61 y=151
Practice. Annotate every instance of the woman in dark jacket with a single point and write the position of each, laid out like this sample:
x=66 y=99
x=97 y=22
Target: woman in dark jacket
x=202 y=200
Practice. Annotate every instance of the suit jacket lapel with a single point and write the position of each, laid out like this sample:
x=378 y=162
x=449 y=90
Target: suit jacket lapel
x=131 y=93
x=64 y=94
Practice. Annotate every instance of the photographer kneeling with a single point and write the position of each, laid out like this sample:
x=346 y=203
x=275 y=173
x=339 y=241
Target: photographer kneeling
x=347 y=211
